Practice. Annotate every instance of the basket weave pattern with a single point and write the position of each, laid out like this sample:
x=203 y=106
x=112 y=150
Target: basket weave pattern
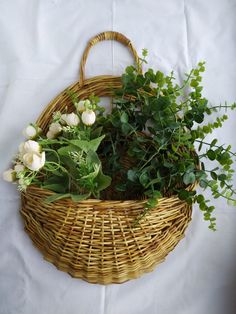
x=96 y=240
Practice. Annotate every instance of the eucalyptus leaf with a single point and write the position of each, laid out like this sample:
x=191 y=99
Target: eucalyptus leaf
x=124 y=118
x=211 y=154
x=126 y=128
x=132 y=175
x=213 y=175
x=189 y=178
x=144 y=179
x=183 y=195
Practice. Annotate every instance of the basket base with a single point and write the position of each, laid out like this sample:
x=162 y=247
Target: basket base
x=101 y=245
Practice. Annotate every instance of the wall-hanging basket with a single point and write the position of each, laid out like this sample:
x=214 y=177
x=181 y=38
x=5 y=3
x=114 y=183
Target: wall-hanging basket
x=96 y=240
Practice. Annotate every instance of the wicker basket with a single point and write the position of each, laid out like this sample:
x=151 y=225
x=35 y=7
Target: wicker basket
x=96 y=240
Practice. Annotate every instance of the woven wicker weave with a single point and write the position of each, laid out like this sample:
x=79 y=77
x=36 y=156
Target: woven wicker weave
x=96 y=240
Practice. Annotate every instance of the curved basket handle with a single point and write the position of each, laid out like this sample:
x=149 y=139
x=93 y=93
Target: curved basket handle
x=109 y=35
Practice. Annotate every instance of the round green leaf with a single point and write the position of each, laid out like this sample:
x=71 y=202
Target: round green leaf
x=211 y=154
x=183 y=195
x=213 y=175
x=189 y=178
x=222 y=177
x=124 y=118
x=200 y=198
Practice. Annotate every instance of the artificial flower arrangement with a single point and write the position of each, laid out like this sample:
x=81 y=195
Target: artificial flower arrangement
x=152 y=144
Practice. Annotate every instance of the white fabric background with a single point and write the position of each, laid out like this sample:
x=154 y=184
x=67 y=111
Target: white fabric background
x=41 y=43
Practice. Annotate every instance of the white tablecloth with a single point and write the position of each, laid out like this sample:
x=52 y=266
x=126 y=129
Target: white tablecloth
x=41 y=43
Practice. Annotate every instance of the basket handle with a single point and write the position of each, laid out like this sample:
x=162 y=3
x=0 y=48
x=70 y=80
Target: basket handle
x=109 y=35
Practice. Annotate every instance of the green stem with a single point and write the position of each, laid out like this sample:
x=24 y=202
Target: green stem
x=186 y=81
x=58 y=167
x=205 y=143
x=221 y=194
x=225 y=106
x=154 y=155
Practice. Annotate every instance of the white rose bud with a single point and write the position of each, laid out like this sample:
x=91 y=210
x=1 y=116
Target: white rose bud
x=29 y=147
x=88 y=117
x=21 y=181
x=82 y=104
x=70 y=119
x=9 y=175
x=50 y=135
x=22 y=184
x=34 y=161
x=18 y=168
x=55 y=128
x=30 y=132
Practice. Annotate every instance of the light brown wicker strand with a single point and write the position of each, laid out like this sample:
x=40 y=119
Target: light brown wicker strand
x=96 y=240
x=110 y=35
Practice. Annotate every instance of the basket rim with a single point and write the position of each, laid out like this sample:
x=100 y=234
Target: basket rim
x=46 y=192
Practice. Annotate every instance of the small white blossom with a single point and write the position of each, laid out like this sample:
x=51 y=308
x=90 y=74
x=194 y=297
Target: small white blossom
x=82 y=105
x=30 y=132
x=29 y=147
x=22 y=184
x=34 y=161
x=9 y=175
x=88 y=117
x=19 y=167
x=21 y=181
x=55 y=128
x=70 y=119
x=50 y=135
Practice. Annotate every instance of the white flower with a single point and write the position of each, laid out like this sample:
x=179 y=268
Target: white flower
x=55 y=128
x=82 y=105
x=50 y=135
x=34 y=161
x=21 y=181
x=29 y=147
x=29 y=132
x=70 y=119
x=88 y=117
x=22 y=184
x=19 y=167
x=9 y=175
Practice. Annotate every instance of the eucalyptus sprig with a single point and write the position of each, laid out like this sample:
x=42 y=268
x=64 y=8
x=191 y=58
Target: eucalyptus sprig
x=160 y=125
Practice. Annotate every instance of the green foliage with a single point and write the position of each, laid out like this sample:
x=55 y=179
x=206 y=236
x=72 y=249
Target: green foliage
x=86 y=146
x=152 y=144
x=78 y=172
x=159 y=125
x=73 y=169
